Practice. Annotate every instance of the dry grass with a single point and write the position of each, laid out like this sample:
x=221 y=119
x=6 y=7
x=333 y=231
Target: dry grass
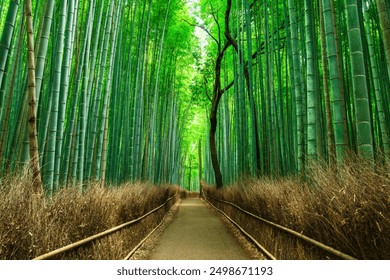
x=349 y=211
x=32 y=226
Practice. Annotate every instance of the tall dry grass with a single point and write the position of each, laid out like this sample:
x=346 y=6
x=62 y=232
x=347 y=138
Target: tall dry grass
x=31 y=226
x=348 y=210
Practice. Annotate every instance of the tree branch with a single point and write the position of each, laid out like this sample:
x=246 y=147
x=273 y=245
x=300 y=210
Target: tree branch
x=227 y=87
x=205 y=85
x=227 y=29
x=217 y=22
x=203 y=28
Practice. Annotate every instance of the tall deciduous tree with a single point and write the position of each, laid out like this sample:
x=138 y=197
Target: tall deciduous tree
x=218 y=91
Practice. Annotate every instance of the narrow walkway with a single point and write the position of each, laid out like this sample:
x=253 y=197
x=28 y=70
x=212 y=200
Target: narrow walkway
x=196 y=233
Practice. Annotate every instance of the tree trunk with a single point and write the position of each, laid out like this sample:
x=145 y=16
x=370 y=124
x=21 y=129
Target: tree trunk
x=213 y=148
x=33 y=139
x=217 y=94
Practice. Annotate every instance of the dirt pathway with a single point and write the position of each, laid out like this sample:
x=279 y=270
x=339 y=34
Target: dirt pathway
x=196 y=233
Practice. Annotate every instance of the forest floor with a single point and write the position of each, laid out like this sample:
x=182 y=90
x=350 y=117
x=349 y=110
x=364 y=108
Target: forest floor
x=196 y=232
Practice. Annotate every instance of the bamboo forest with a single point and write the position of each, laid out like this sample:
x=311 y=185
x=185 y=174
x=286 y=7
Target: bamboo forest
x=194 y=93
x=124 y=90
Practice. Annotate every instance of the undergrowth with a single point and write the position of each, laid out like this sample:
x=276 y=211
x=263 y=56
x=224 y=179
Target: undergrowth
x=348 y=210
x=31 y=226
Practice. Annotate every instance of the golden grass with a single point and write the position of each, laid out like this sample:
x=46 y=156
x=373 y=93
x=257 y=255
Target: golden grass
x=349 y=211
x=32 y=226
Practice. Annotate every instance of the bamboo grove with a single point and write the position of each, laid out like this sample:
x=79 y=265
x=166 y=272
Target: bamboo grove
x=108 y=78
x=123 y=89
x=295 y=81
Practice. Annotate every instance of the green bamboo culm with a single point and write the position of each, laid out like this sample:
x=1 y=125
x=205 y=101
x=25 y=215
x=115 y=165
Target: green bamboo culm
x=360 y=90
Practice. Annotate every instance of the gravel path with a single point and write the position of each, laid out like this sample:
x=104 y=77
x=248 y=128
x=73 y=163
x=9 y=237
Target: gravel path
x=196 y=233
